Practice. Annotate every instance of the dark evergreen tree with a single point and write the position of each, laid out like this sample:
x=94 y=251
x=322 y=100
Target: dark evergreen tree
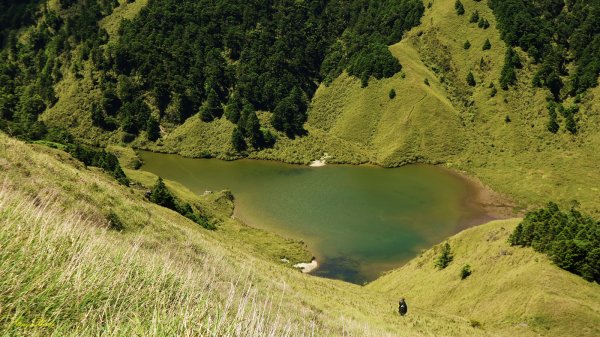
x=97 y=116
x=375 y=60
x=474 y=17
x=253 y=130
x=508 y=76
x=569 y=238
x=152 y=129
x=234 y=108
x=471 y=79
x=487 y=45
x=552 y=125
x=540 y=28
x=460 y=9
x=212 y=107
x=392 y=94
x=110 y=102
x=237 y=140
x=160 y=194
x=467 y=45
x=483 y=23
x=290 y=114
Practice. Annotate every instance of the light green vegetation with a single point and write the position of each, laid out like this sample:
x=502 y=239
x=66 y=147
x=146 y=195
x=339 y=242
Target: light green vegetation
x=513 y=289
x=357 y=221
x=65 y=273
x=446 y=122
x=219 y=207
x=126 y=11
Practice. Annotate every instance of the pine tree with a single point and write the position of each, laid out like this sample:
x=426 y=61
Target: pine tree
x=483 y=23
x=392 y=94
x=237 y=140
x=152 y=129
x=508 y=76
x=234 y=108
x=570 y=124
x=212 y=107
x=552 y=125
x=460 y=9
x=487 y=45
x=471 y=79
x=160 y=195
x=467 y=45
x=253 y=130
x=515 y=238
x=97 y=116
x=445 y=257
x=290 y=114
x=474 y=17
x=243 y=120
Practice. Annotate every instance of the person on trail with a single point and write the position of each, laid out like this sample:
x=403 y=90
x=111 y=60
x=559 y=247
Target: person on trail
x=402 y=307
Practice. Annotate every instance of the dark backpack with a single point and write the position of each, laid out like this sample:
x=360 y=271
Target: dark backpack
x=402 y=308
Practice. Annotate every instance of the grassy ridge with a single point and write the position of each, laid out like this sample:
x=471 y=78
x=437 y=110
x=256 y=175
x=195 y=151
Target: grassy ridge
x=447 y=121
x=162 y=274
x=514 y=289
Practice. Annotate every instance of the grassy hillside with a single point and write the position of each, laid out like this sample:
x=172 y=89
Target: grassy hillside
x=503 y=140
x=513 y=289
x=164 y=274
x=64 y=271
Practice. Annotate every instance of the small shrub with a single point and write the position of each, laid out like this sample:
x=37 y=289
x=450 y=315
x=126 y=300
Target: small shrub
x=445 y=257
x=465 y=272
x=392 y=94
x=136 y=164
x=471 y=79
x=475 y=324
x=460 y=9
x=114 y=222
x=493 y=92
x=467 y=45
x=474 y=17
x=487 y=45
x=426 y=81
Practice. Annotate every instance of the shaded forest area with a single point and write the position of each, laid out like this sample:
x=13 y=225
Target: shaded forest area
x=554 y=33
x=201 y=56
x=571 y=239
x=196 y=57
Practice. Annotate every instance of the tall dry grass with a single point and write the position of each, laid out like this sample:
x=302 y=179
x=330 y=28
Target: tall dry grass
x=64 y=275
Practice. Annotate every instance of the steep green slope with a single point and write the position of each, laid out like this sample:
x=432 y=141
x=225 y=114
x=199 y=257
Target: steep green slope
x=164 y=274
x=503 y=140
x=498 y=136
x=511 y=288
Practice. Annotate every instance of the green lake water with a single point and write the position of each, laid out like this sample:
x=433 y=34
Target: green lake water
x=359 y=221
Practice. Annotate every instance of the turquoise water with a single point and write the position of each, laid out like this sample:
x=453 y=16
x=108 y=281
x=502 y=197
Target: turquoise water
x=359 y=221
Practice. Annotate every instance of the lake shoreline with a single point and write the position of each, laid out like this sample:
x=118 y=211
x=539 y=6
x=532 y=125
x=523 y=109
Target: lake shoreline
x=499 y=206
x=496 y=205
x=479 y=204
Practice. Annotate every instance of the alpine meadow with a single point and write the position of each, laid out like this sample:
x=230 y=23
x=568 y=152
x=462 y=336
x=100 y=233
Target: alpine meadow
x=300 y=168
